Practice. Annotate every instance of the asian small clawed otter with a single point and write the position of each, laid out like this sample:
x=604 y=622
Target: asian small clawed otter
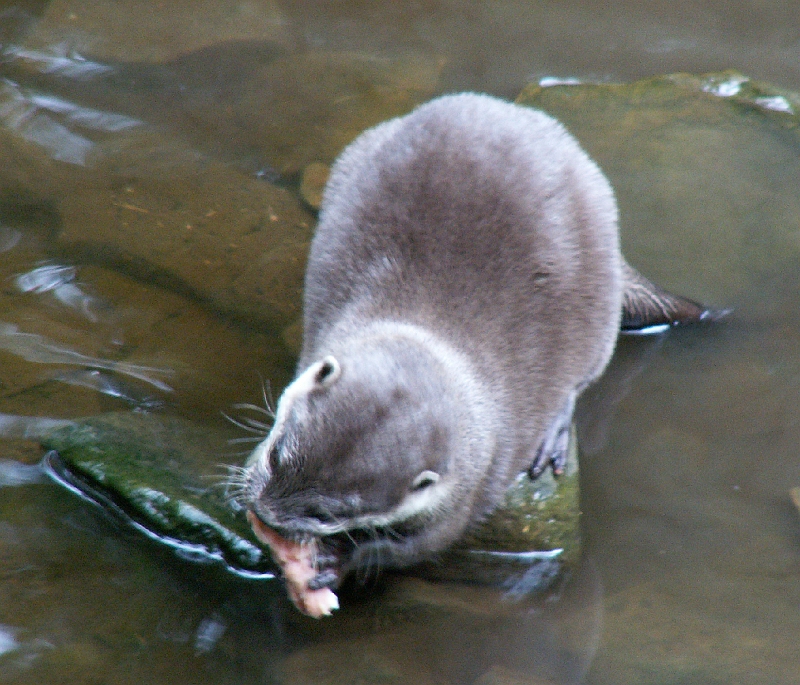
x=464 y=285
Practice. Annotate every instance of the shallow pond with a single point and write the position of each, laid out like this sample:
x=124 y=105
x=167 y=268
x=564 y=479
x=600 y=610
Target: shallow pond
x=152 y=235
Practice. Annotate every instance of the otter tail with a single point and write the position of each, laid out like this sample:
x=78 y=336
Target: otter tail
x=646 y=308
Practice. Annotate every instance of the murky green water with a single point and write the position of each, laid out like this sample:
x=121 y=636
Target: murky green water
x=139 y=141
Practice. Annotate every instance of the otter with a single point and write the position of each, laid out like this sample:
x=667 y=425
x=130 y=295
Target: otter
x=464 y=285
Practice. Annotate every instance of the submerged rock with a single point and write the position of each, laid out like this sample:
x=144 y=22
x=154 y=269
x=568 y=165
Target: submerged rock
x=308 y=107
x=144 y=30
x=694 y=161
x=203 y=228
x=144 y=202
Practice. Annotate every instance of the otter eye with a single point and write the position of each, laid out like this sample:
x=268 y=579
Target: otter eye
x=327 y=372
x=424 y=480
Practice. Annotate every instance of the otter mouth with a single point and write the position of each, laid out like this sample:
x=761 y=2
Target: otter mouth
x=313 y=566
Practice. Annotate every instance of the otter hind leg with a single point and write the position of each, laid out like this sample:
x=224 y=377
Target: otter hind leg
x=646 y=308
x=554 y=449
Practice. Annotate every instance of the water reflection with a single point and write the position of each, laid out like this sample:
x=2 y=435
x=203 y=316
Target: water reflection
x=26 y=428
x=108 y=384
x=60 y=62
x=7 y=641
x=22 y=113
x=9 y=238
x=38 y=349
x=12 y=473
x=59 y=280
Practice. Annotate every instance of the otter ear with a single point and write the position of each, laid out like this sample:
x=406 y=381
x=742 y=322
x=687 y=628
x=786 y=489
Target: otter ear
x=327 y=371
x=424 y=479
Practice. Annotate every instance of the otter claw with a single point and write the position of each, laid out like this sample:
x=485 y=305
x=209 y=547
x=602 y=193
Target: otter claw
x=558 y=462
x=539 y=464
x=554 y=448
x=553 y=454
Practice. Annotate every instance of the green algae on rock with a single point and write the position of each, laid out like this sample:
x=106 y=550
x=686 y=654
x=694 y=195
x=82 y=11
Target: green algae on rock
x=162 y=474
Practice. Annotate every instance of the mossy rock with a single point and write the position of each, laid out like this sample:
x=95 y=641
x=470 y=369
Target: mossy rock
x=164 y=475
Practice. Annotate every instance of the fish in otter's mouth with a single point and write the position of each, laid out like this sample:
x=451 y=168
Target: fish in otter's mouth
x=314 y=565
x=308 y=586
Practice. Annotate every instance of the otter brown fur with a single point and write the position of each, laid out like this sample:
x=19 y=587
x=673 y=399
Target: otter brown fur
x=464 y=285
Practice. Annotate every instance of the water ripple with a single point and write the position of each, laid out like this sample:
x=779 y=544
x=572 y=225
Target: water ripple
x=15 y=473
x=38 y=349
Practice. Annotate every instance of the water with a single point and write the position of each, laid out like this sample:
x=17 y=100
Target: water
x=689 y=449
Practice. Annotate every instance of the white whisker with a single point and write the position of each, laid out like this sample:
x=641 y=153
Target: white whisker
x=269 y=400
x=236 y=441
x=254 y=407
x=244 y=424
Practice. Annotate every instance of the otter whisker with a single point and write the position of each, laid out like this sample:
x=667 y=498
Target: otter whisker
x=393 y=534
x=237 y=455
x=236 y=441
x=254 y=407
x=370 y=555
x=234 y=469
x=233 y=474
x=370 y=563
x=345 y=531
x=235 y=483
x=266 y=394
x=253 y=423
x=249 y=425
x=377 y=554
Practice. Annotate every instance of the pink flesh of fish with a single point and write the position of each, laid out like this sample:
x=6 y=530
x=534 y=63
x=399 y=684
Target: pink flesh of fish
x=296 y=560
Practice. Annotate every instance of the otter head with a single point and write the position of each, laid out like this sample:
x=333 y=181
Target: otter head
x=366 y=457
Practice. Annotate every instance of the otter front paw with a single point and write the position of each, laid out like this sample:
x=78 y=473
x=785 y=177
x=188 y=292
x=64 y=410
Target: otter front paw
x=551 y=453
x=554 y=449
